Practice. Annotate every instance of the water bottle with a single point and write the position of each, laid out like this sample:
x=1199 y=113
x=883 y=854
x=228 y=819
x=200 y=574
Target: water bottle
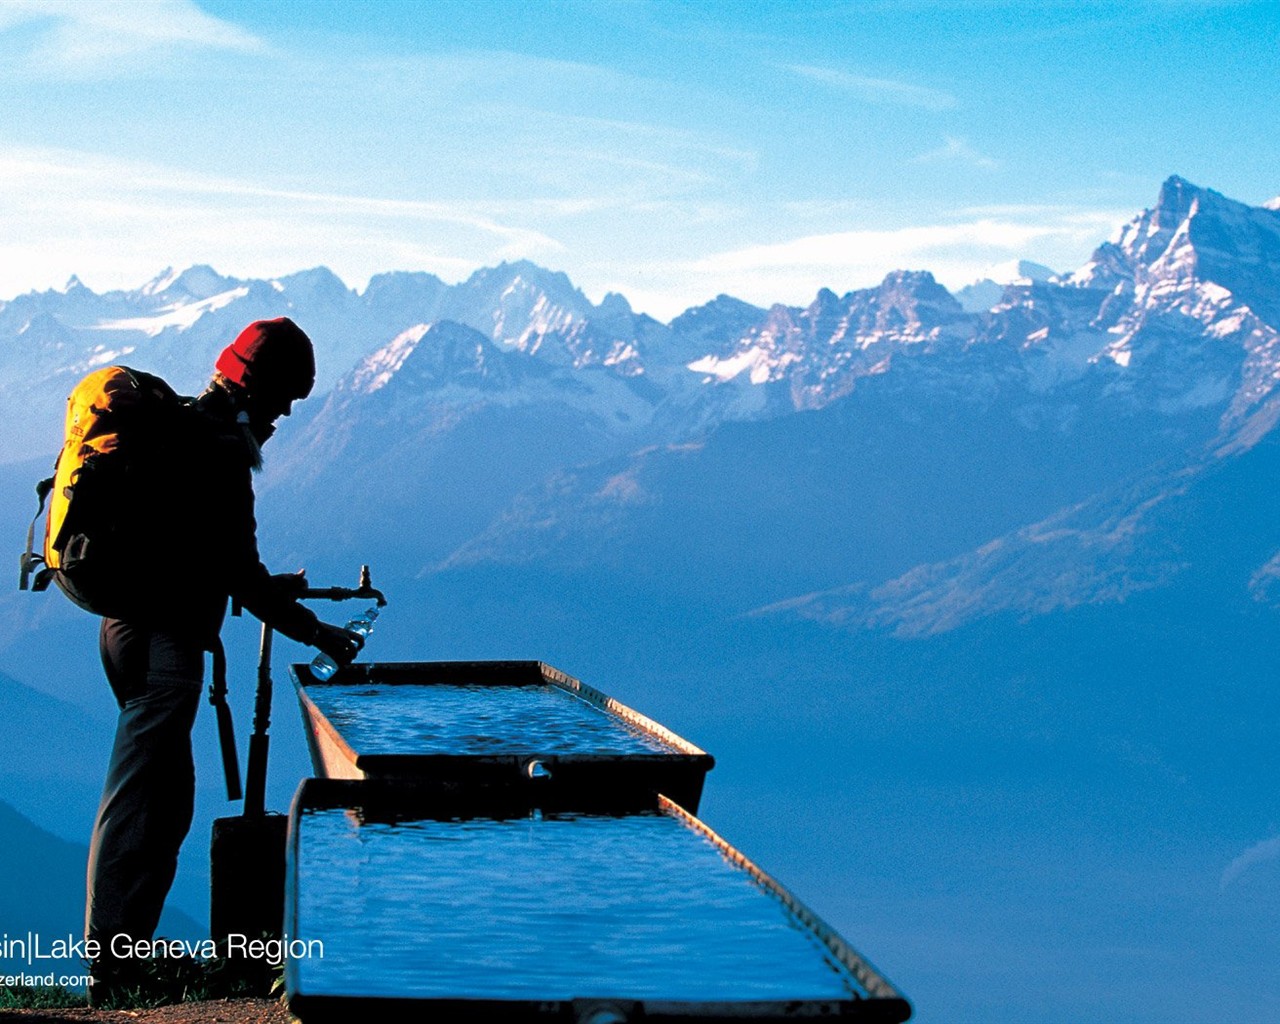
x=323 y=667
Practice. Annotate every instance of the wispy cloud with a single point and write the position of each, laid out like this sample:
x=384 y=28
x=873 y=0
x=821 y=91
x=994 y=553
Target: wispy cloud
x=1258 y=853
x=640 y=135
x=116 y=222
x=518 y=124
x=124 y=179
x=80 y=38
x=877 y=90
x=956 y=252
x=900 y=247
x=957 y=150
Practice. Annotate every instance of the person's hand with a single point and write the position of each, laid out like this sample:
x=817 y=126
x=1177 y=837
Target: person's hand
x=340 y=644
x=290 y=585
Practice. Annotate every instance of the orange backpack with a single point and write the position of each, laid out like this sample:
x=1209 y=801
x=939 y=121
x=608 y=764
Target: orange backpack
x=116 y=417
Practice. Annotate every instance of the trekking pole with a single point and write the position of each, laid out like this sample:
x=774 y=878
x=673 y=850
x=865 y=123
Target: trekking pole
x=226 y=728
x=256 y=775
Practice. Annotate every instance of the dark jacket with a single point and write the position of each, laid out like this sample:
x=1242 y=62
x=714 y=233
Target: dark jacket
x=196 y=518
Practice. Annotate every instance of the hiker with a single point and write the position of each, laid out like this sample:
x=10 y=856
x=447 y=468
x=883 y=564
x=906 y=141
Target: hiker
x=196 y=519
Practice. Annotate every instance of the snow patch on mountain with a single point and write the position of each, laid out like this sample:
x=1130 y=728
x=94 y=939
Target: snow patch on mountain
x=761 y=361
x=180 y=317
x=104 y=356
x=160 y=282
x=378 y=370
x=819 y=353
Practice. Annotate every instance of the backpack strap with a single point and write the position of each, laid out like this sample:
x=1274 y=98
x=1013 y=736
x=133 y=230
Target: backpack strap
x=29 y=560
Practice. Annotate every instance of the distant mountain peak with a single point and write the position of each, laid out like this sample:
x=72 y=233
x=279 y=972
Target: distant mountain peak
x=319 y=281
x=160 y=282
x=402 y=277
x=1179 y=198
x=378 y=369
x=1186 y=225
x=713 y=329
x=429 y=356
x=404 y=295
x=196 y=283
x=910 y=278
x=721 y=307
x=202 y=282
x=615 y=304
x=528 y=274
x=825 y=301
x=914 y=297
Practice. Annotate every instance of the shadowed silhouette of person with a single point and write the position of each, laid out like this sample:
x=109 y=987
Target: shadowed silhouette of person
x=197 y=524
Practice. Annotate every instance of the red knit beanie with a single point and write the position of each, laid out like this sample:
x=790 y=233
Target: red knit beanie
x=271 y=357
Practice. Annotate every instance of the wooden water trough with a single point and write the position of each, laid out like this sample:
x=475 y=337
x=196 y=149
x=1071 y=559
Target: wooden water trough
x=480 y=905
x=496 y=723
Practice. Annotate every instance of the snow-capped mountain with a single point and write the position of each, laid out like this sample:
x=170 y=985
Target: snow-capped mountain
x=1169 y=330
x=174 y=325
x=1183 y=300
x=177 y=323
x=1066 y=389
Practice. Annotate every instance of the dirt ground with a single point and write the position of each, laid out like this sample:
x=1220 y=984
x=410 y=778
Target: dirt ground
x=218 y=1011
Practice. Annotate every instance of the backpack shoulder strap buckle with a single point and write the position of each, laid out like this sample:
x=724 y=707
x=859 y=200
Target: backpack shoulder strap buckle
x=29 y=560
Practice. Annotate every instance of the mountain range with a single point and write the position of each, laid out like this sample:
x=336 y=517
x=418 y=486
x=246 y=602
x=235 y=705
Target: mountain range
x=973 y=596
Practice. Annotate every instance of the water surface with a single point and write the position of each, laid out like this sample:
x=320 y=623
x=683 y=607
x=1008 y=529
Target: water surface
x=437 y=718
x=554 y=908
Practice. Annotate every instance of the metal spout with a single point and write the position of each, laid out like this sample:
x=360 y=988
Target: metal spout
x=366 y=588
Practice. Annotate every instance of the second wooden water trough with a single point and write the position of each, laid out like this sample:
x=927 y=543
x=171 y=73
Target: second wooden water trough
x=481 y=905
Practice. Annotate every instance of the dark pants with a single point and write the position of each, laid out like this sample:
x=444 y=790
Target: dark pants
x=149 y=794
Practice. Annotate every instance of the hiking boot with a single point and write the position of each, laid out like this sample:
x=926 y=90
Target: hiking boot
x=112 y=981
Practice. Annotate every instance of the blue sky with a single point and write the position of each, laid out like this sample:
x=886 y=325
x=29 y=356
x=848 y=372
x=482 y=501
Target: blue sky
x=667 y=150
